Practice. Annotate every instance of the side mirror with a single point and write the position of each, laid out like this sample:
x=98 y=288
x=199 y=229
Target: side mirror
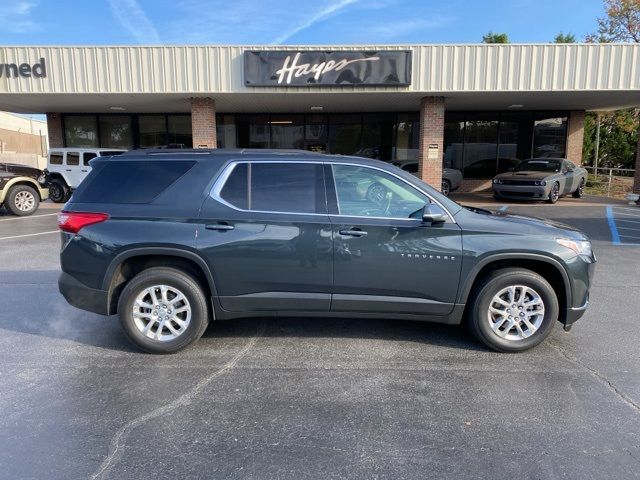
x=433 y=215
x=511 y=169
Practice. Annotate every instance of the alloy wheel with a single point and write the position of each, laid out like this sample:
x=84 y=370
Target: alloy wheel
x=24 y=201
x=516 y=312
x=161 y=313
x=555 y=193
x=445 y=189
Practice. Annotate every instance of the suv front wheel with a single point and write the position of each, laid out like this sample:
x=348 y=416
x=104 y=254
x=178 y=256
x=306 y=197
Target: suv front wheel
x=163 y=310
x=514 y=310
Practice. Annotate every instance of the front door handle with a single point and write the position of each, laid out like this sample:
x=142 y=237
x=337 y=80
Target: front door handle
x=354 y=232
x=219 y=226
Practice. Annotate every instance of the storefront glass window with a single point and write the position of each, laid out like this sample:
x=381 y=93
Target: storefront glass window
x=480 y=145
x=344 y=134
x=453 y=140
x=377 y=136
x=180 y=131
x=81 y=131
x=514 y=140
x=549 y=136
x=115 y=131
x=287 y=131
x=226 y=131
x=407 y=131
x=316 y=133
x=153 y=131
x=259 y=131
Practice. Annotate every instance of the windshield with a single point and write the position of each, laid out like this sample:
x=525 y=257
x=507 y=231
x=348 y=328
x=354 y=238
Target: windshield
x=540 y=166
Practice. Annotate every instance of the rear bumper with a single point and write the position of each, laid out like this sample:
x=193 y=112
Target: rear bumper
x=81 y=296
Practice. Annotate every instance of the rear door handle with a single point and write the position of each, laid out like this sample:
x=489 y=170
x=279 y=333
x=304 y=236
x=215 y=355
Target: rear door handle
x=354 y=232
x=219 y=226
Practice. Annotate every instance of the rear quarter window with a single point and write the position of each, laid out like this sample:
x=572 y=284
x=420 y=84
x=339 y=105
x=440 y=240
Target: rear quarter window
x=55 y=158
x=130 y=181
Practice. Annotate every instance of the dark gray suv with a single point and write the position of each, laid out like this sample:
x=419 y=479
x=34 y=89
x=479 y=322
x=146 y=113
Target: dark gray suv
x=171 y=240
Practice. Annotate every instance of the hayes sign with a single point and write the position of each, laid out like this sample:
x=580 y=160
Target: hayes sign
x=24 y=70
x=280 y=68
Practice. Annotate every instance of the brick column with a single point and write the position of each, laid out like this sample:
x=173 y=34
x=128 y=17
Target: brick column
x=54 y=130
x=203 y=122
x=430 y=149
x=575 y=136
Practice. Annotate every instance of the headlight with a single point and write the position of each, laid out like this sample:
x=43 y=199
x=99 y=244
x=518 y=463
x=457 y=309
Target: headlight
x=42 y=179
x=497 y=180
x=540 y=183
x=582 y=247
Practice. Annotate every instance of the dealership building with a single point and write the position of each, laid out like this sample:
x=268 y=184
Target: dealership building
x=476 y=108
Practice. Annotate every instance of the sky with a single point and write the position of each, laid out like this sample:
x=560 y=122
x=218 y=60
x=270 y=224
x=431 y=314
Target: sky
x=290 y=22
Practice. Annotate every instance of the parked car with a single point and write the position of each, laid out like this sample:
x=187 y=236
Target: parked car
x=22 y=188
x=171 y=240
x=451 y=178
x=541 y=179
x=67 y=167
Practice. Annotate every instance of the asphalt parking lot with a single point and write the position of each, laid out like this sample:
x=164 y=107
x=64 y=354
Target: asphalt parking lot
x=300 y=398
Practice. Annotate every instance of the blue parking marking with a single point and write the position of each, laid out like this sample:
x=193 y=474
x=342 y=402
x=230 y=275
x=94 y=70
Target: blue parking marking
x=624 y=229
x=615 y=236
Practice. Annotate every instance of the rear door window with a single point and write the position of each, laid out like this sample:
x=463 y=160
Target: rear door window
x=87 y=157
x=276 y=187
x=73 y=159
x=55 y=158
x=130 y=181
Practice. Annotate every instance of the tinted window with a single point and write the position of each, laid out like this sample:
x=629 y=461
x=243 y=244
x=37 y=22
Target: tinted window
x=276 y=187
x=55 y=159
x=130 y=182
x=235 y=189
x=109 y=153
x=87 y=157
x=73 y=158
x=540 y=166
x=366 y=192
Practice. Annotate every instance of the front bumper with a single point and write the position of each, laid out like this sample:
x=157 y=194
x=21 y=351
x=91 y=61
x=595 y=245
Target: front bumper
x=522 y=192
x=81 y=296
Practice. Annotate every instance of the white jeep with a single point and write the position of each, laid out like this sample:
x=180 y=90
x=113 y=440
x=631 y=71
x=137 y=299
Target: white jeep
x=67 y=167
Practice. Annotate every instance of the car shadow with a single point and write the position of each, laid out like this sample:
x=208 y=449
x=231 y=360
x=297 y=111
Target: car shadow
x=34 y=306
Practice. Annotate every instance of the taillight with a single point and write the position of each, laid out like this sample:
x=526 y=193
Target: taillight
x=73 y=222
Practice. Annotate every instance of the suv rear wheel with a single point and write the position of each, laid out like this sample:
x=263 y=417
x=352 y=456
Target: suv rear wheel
x=163 y=310
x=514 y=310
x=22 y=200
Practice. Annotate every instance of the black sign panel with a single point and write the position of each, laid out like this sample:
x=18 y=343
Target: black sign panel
x=331 y=68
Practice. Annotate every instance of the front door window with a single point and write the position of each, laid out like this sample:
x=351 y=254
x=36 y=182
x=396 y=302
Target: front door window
x=367 y=192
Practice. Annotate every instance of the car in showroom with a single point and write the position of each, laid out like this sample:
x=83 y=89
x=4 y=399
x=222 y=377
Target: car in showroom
x=22 y=188
x=545 y=179
x=67 y=167
x=451 y=178
x=171 y=241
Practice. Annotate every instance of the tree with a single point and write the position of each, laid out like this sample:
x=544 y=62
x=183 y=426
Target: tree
x=621 y=23
x=496 y=37
x=618 y=138
x=562 y=38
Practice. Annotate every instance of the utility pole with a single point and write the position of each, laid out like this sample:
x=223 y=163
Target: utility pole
x=597 y=152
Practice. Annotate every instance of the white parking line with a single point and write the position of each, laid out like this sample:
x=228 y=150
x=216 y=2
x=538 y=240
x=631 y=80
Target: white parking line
x=627 y=220
x=29 y=235
x=27 y=218
x=627 y=214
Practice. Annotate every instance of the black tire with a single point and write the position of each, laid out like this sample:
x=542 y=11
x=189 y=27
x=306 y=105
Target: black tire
x=59 y=192
x=579 y=193
x=176 y=279
x=554 y=193
x=445 y=187
x=478 y=317
x=22 y=200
